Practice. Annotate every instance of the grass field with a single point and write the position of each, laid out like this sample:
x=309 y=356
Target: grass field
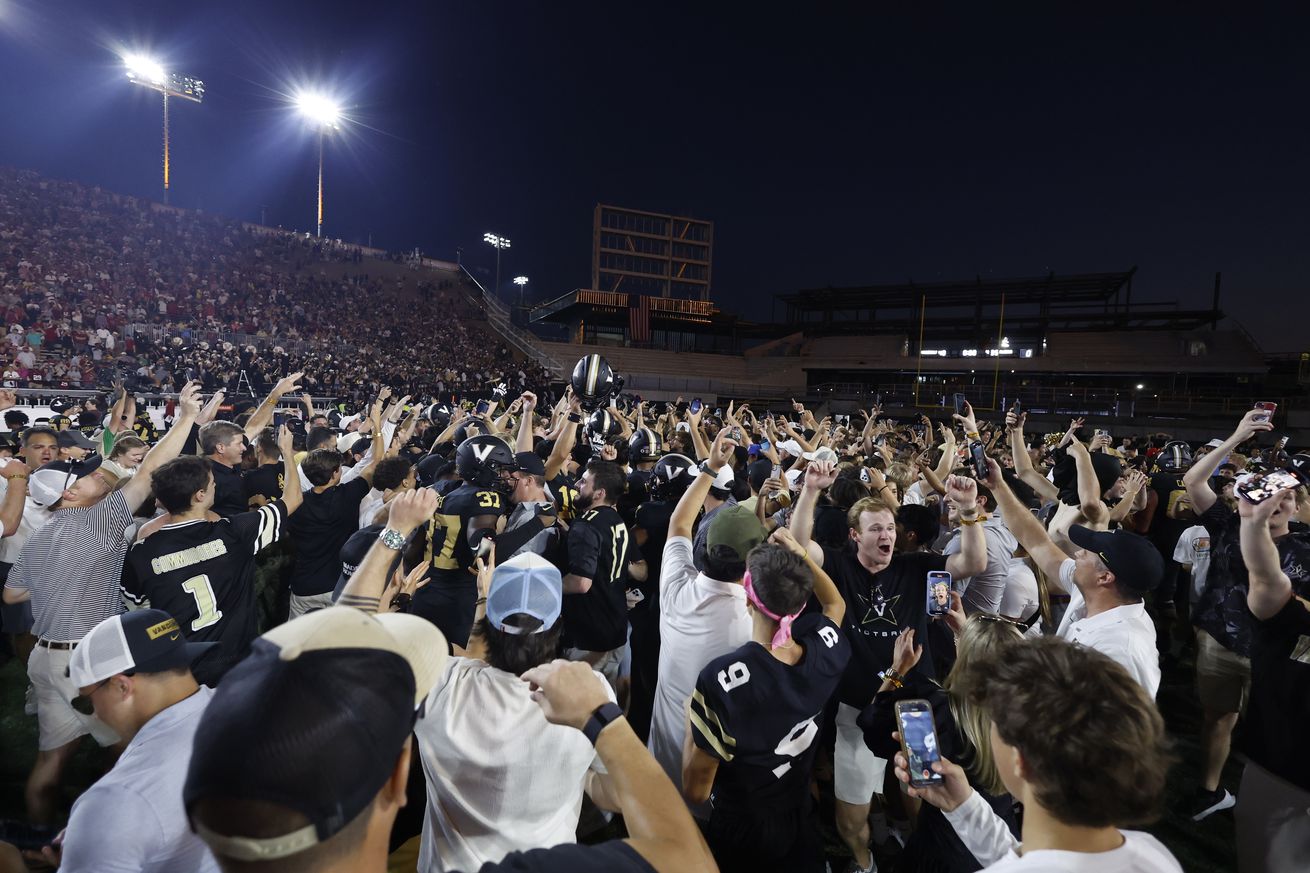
x=1200 y=848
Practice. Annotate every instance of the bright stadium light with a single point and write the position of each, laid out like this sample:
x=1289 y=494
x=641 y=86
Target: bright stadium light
x=324 y=114
x=149 y=73
x=520 y=281
x=497 y=242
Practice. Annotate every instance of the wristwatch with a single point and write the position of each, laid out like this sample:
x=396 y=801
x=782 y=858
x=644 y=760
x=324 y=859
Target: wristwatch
x=601 y=718
x=392 y=539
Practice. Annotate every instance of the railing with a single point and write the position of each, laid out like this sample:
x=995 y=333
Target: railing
x=498 y=316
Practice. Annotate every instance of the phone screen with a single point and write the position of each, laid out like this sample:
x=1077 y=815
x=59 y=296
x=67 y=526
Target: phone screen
x=939 y=592
x=1268 y=408
x=918 y=741
x=959 y=404
x=1258 y=489
x=1015 y=408
x=979 y=455
x=278 y=419
x=695 y=405
x=766 y=445
x=481 y=408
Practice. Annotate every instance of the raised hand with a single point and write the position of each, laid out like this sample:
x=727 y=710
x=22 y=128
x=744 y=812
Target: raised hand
x=1250 y=425
x=783 y=537
x=963 y=491
x=188 y=400
x=967 y=419
x=721 y=451
x=820 y=474
x=411 y=509
x=905 y=654
x=287 y=384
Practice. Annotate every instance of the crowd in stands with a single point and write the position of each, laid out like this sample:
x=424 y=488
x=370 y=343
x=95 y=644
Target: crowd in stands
x=97 y=287
x=517 y=635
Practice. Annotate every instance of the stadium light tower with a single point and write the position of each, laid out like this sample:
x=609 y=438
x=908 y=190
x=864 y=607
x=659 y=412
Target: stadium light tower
x=498 y=242
x=325 y=115
x=521 y=281
x=149 y=73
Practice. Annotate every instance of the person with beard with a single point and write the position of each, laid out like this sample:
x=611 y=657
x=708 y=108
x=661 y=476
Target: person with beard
x=884 y=592
x=601 y=563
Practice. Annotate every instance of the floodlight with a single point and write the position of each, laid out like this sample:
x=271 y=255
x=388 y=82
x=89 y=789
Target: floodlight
x=145 y=68
x=319 y=109
x=497 y=242
x=149 y=73
x=520 y=280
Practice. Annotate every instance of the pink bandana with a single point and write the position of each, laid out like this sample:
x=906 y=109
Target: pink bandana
x=783 y=636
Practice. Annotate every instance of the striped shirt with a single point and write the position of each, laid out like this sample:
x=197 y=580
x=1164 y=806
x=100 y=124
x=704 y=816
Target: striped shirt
x=72 y=567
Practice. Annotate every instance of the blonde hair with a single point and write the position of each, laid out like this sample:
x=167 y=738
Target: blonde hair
x=983 y=635
x=899 y=473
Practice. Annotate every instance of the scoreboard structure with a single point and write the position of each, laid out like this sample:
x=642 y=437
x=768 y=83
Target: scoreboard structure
x=651 y=254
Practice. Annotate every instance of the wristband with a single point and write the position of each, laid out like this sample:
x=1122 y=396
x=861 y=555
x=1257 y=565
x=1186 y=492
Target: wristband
x=890 y=675
x=601 y=719
x=977 y=519
x=574 y=417
x=401 y=601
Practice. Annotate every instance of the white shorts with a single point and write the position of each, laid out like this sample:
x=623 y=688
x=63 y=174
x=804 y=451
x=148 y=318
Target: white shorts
x=608 y=664
x=858 y=773
x=308 y=603
x=59 y=723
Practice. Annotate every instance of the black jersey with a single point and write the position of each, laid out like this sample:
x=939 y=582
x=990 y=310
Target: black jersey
x=265 y=481
x=598 y=549
x=564 y=492
x=760 y=717
x=654 y=517
x=203 y=574
x=448 y=548
x=637 y=493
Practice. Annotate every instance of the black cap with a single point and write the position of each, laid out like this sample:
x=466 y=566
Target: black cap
x=530 y=463
x=336 y=681
x=75 y=439
x=1135 y=563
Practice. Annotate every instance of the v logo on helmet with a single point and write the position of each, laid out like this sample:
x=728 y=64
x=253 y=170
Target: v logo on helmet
x=483 y=451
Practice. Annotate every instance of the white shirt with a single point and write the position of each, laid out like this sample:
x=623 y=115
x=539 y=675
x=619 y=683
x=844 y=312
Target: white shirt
x=914 y=495
x=33 y=519
x=985 y=835
x=1125 y=633
x=700 y=619
x=1194 y=548
x=133 y=819
x=369 y=506
x=500 y=777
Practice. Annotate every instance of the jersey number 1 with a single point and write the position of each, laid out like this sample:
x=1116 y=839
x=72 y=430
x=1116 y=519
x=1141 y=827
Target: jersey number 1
x=206 y=605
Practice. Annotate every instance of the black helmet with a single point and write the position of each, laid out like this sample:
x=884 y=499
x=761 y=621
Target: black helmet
x=479 y=460
x=594 y=381
x=645 y=445
x=601 y=426
x=672 y=476
x=1175 y=457
x=437 y=412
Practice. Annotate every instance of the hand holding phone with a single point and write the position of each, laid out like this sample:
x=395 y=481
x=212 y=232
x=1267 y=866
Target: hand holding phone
x=939 y=593
x=1267 y=408
x=919 y=745
x=696 y=405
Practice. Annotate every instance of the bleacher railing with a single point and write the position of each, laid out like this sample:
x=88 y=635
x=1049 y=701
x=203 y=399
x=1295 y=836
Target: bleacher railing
x=498 y=316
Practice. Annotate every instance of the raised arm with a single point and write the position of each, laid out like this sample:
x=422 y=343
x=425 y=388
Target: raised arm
x=1134 y=497
x=818 y=476
x=1270 y=587
x=523 y=443
x=365 y=587
x=825 y=590
x=137 y=488
x=1089 y=487
x=684 y=514
x=1023 y=464
x=264 y=414
x=972 y=557
x=292 y=494
x=1025 y=527
x=659 y=826
x=697 y=436
x=559 y=455
x=15 y=474
x=1197 y=479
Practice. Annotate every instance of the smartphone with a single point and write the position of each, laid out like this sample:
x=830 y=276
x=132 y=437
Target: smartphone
x=482 y=407
x=918 y=741
x=939 y=593
x=766 y=445
x=978 y=455
x=1015 y=408
x=695 y=405
x=279 y=419
x=1102 y=433
x=1258 y=488
x=1268 y=408
x=959 y=404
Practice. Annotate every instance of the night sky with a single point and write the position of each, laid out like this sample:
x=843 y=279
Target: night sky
x=829 y=146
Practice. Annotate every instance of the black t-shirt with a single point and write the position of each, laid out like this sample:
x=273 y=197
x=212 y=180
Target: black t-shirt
x=1165 y=531
x=653 y=517
x=1220 y=608
x=264 y=481
x=564 y=492
x=318 y=530
x=636 y=494
x=760 y=717
x=614 y=856
x=878 y=608
x=229 y=490
x=448 y=549
x=597 y=621
x=203 y=574
x=1279 y=714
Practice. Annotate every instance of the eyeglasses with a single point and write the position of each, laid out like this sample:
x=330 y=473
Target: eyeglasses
x=82 y=702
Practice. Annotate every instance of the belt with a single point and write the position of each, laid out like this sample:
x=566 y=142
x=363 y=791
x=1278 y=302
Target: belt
x=57 y=646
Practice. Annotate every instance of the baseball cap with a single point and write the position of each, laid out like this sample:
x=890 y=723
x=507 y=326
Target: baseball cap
x=792 y=448
x=1214 y=443
x=737 y=528
x=822 y=453
x=47 y=484
x=74 y=439
x=526 y=584
x=530 y=463
x=144 y=641
x=1135 y=563
x=337 y=679
x=723 y=479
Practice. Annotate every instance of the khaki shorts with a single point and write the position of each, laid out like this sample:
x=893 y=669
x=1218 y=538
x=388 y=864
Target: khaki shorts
x=309 y=603
x=858 y=773
x=58 y=722
x=1223 y=677
x=608 y=664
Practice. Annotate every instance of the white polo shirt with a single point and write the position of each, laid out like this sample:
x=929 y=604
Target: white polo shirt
x=1126 y=633
x=133 y=818
x=700 y=619
x=500 y=777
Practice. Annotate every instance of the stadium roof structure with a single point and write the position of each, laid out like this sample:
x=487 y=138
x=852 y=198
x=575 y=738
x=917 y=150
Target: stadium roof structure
x=961 y=310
